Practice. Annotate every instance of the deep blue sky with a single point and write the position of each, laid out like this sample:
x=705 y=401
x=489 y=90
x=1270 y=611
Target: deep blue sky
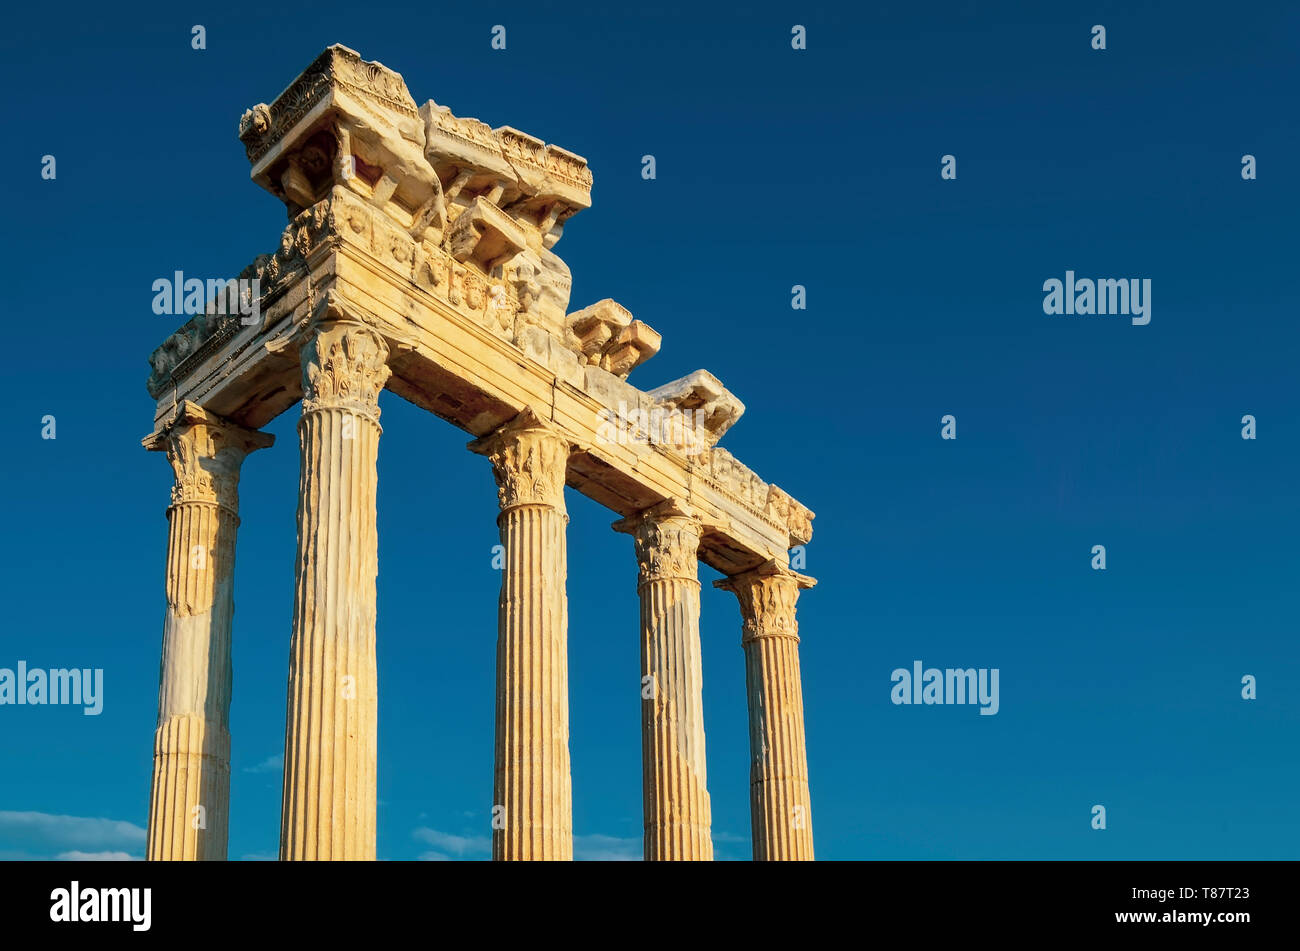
x=775 y=168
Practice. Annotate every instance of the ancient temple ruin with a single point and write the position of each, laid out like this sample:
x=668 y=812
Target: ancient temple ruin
x=419 y=256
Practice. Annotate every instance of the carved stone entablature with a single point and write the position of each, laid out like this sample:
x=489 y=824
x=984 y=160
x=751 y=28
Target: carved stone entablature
x=777 y=506
x=347 y=122
x=338 y=67
x=437 y=231
x=462 y=142
x=205 y=334
x=712 y=406
x=490 y=302
x=534 y=177
x=661 y=421
x=736 y=479
x=494 y=199
x=784 y=509
x=484 y=234
x=607 y=336
x=342 y=217
x=189 y=346
x=541 y=282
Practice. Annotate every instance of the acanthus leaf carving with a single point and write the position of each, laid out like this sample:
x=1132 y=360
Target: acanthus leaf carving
x=344 y=365
x=667 y=539
x=785 y=510
x=529 y=461
x=767 y=596
x=206 y=452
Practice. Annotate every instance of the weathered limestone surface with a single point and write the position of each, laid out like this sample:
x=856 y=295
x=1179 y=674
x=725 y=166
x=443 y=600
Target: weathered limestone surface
x=674 y=781
x=438 y=230
x=780 y=810
x=419 y=257
x=189 y=805
x=532 y=787
x=330 y=744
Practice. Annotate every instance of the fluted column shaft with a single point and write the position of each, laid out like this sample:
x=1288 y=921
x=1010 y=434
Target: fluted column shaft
x=780 y=809
x=532 y=788
x=189 y=800
x=328 y=809
x=673 y=773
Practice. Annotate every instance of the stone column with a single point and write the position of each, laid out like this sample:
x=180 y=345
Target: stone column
x=780 y=811
x=189 y=801
x=532 y=790
x=328 y=810
x=673 y=775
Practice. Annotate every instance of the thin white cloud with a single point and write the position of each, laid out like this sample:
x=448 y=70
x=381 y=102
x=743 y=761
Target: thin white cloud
x=94 y=857
x=52 y=834
x=591 y=848
x=460 y=845
x=607 y=848
x=272 y=764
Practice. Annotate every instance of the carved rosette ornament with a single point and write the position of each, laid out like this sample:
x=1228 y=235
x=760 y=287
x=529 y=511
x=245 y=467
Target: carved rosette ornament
x=344 y=366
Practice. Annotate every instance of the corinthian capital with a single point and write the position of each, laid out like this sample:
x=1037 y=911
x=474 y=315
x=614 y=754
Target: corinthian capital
x=767 y=596
x=206 y=452
x=344 y=366
x=667 y=541
x=528 y=457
